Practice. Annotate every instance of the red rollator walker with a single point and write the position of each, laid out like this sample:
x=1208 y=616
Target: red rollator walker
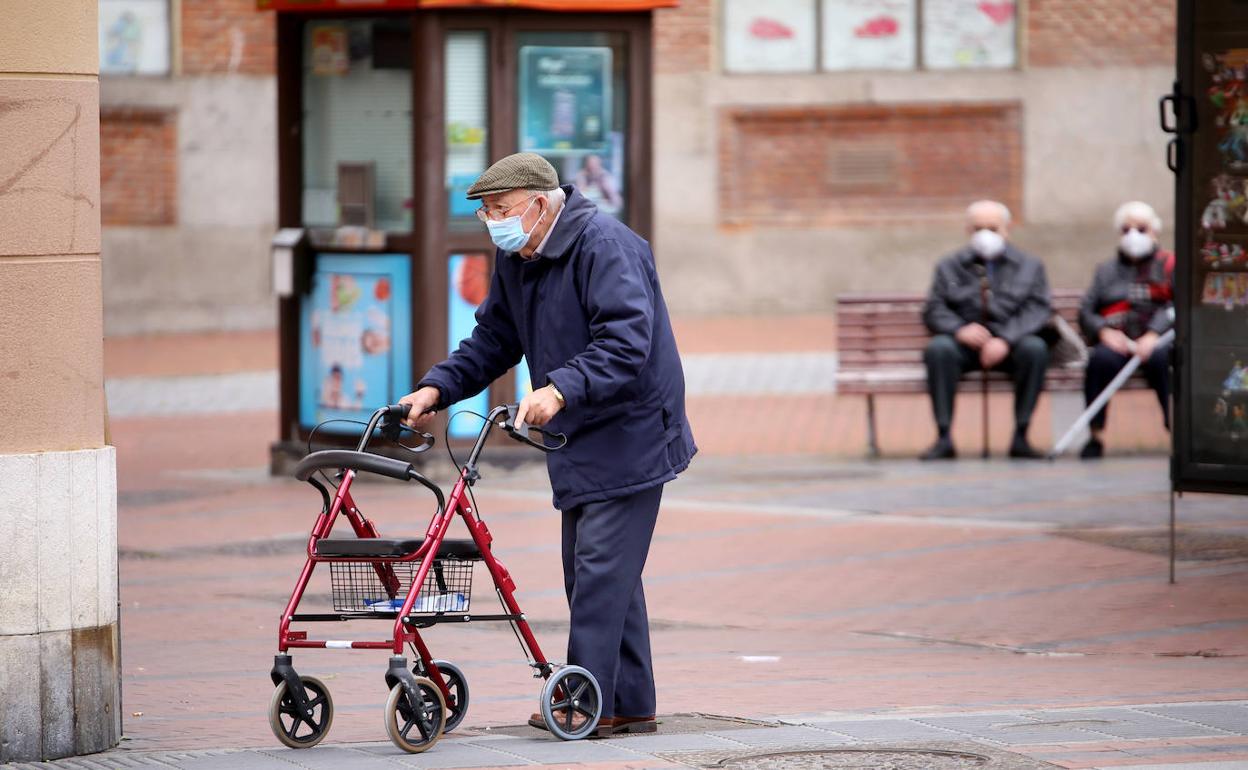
x=414 y=583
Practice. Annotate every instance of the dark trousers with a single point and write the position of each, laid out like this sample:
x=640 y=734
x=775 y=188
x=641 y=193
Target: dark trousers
x=1104 y=363
x=947 y=360
x=604 y=550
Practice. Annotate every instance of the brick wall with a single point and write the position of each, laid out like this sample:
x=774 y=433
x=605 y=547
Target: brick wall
x=682 y=38
x=866 y=164
x=227 y=36
x=138 y=166
x=1081 y=33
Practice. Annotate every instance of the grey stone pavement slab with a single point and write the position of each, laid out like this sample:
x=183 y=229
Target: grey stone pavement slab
x=1013 y=731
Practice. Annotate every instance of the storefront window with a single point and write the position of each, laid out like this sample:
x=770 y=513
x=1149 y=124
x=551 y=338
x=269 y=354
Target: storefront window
x=357 y=124
x=573 y=107
x=467 y=118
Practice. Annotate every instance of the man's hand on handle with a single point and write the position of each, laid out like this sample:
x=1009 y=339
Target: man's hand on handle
x=973 y=335
x=539 y=407
x=422 y=401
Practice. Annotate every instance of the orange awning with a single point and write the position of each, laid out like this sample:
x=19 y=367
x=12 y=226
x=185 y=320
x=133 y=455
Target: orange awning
x=598 y=6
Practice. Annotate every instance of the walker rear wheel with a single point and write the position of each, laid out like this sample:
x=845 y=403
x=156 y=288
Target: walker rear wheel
x=295 y=729
x=571 y=703
x=415 y=727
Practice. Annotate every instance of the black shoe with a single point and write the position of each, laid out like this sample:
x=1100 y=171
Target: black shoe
x=941 y=450
x=1021 y=450
x=1093 y=450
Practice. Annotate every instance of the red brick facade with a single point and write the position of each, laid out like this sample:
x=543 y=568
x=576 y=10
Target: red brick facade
x=867 y=163
x=138 y=167
x=682 y=37
x=1092 y=33
x=227 y=36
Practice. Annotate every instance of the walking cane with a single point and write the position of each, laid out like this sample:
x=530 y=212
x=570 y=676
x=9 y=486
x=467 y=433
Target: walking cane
x=1099 y=402
x=984 y=291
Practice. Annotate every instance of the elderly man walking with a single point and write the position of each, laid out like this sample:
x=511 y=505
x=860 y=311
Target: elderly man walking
x=576 y=293
x=987 y=303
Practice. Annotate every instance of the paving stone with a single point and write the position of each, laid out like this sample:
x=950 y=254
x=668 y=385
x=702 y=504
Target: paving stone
x=1231 y=717
x=1012 y=729
x=325 y=758
x=1124 y=723
x=779 y=736
x=885 y=730
x=538 y=750
x=681 y=742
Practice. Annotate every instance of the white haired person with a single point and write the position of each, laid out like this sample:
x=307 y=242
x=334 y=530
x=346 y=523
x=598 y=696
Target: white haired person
x=1126 y=310
x=986 y=307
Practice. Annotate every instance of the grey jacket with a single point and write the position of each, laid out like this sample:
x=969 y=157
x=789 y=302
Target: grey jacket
x=1133 y=297
x=1018 y=299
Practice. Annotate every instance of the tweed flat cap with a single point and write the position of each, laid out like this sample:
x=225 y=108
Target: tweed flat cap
x=522 y=171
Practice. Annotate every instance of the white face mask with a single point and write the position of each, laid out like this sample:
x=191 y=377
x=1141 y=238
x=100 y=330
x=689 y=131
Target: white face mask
x=1136 y=244
x=987 y=243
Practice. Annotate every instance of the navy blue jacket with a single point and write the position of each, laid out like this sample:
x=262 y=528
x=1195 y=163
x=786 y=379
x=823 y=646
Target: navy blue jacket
x=588 y=315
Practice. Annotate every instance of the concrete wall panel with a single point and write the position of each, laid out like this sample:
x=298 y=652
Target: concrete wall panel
x=49 y=36
x=21 y=731
x=19 y=569
x=51 y=354
x=49 y=168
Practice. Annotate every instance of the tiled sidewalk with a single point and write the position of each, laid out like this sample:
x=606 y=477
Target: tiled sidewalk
x=1197 y=736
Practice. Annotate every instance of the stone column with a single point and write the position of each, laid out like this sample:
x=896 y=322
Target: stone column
x=59 y=674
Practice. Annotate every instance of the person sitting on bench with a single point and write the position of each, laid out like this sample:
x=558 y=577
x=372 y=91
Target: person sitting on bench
x=986 y=307
x=1125 y=310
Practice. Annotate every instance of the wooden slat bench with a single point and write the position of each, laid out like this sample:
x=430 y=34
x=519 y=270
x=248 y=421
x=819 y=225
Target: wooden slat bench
x=880 y=343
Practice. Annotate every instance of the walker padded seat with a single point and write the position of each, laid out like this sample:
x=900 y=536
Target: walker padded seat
x=375 y=547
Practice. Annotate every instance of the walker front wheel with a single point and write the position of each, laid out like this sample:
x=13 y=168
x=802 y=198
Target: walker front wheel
x=415 y=727
x=457 y=684
x=571 y=703
x=296 y=729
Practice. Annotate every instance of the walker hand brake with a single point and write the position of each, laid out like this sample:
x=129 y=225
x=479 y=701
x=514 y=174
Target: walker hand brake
x=520 y=431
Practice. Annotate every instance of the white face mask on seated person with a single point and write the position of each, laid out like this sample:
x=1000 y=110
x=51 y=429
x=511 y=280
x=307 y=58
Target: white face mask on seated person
x=1136 y=244
x=988 y=244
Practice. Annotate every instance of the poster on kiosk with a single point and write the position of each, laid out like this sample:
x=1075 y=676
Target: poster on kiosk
x=355 y=339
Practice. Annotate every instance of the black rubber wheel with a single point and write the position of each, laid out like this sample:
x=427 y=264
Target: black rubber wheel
x=415 y=727
x=571 y=703
x=294 y=729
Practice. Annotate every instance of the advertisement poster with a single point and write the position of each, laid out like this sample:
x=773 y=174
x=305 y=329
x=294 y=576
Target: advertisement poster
x=776 y=36
x=969 y=34
x=355 y=338
x=468 y=278
x=329 y=50
x=868 y=34
x=134 y=37
x=565 y=98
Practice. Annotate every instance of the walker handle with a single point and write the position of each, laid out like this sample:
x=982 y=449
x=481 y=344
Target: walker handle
x=521 y=432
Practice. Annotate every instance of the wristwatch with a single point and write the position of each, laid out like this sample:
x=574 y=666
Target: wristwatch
x=558 y=395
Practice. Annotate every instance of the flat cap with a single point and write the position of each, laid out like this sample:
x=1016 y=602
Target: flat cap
x=522 y=171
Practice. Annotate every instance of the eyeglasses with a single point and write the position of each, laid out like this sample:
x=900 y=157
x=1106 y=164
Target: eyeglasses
x=498 y=215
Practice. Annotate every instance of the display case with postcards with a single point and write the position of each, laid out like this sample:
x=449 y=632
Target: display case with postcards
x=1211 y=156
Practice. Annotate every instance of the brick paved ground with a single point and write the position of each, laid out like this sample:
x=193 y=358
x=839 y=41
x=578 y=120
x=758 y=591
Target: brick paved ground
x=783 y=585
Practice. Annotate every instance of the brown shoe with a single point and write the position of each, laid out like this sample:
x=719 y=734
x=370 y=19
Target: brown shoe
x=608 y=726
x=535 y=720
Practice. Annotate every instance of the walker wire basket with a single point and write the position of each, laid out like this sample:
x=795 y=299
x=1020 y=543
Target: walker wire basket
x=376 y=587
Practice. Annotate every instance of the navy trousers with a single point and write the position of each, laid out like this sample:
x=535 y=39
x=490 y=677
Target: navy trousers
x=1103 y=366
x=604 y=551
